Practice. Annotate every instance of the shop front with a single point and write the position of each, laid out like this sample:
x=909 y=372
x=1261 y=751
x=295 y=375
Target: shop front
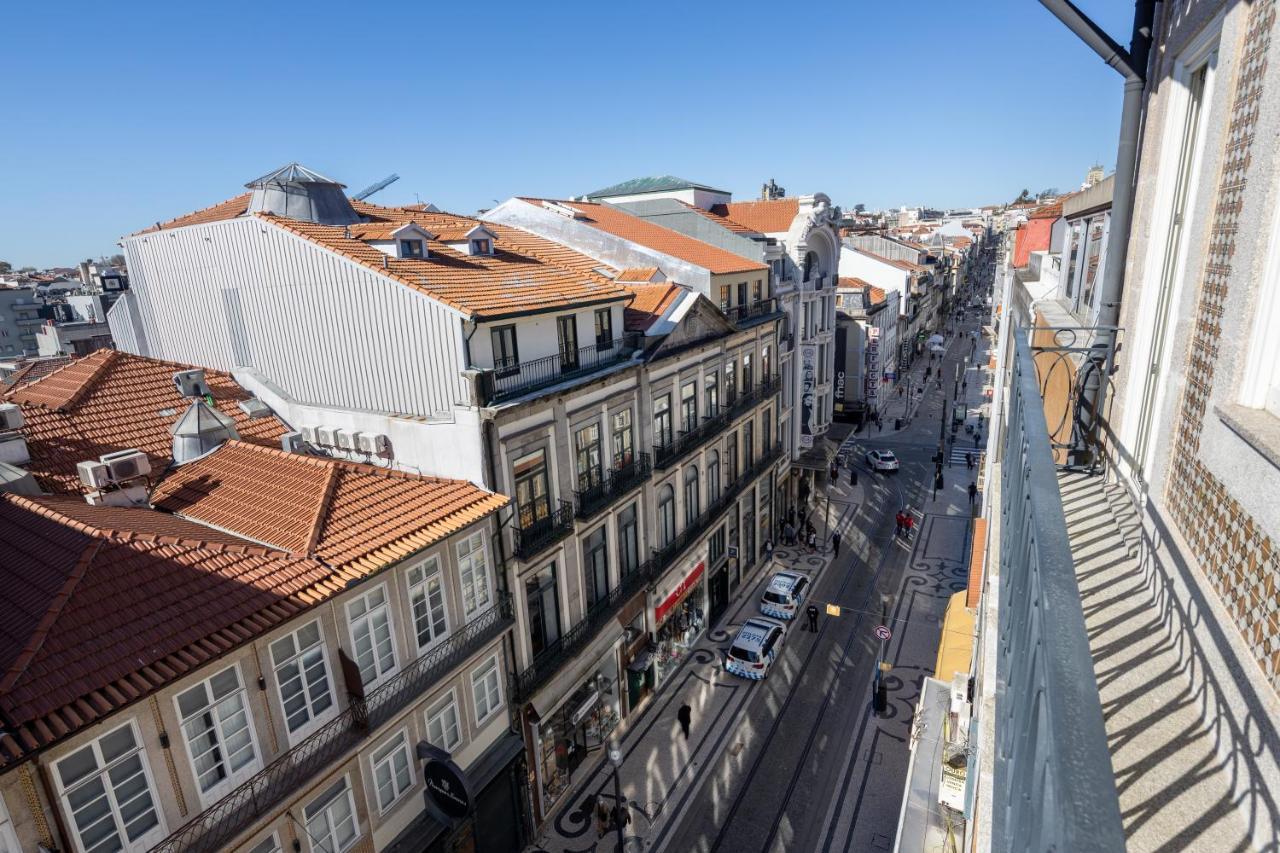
x=637 y=659
x=577 y=728
x=680 y=616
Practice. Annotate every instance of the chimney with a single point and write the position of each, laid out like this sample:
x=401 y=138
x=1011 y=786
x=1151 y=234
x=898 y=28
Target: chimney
x=202 y=429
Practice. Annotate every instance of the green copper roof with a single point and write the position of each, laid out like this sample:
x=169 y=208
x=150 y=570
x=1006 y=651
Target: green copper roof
x=652 y=184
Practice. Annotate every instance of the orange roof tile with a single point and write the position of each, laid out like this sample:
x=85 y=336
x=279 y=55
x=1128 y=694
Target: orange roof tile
x=35 y=369
x=229 y=209
x=1034 y=235
x=618 y=222
x=110 y=401
x=766 y=217
x=719 y=215
x=852 y=281
x=877 y=295
x=650 y=301
x=637 y=274
x=355 y=518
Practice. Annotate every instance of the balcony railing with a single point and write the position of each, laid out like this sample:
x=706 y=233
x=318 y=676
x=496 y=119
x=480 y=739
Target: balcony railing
x=510 y=378
x=745 y=315
x=532 y=538
x=666 y=455
x=1054 y=783
x=215 y=827
x=619 y=480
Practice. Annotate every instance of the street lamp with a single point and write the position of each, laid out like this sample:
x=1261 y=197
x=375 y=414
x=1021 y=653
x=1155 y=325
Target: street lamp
x=880 y=700
x=615 y=758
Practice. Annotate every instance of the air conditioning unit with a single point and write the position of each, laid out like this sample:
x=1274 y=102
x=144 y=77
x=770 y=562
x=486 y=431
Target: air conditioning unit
x=346 y=439
x=10 y=416
x=126 y=464
x=372 y=442
x=293 y=442
x=309 y=435
x=255 y=408
x=327 y=436
x=190 y=383
x=95 y=475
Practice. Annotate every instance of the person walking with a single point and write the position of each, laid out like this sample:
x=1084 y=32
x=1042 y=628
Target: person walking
x=602 y=817
x=835 y=544
x=835 y=472
x=685 y=716
x=812 y=612
x=897 y=518
x=968 y=460
x=768 y=549
x=853 y=476
x=909 y=522
x=813 y=541
x=977 y=439
x=789 y=534
x=973 y=493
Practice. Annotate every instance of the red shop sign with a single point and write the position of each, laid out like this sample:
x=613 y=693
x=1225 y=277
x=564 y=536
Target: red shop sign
x=674 y=598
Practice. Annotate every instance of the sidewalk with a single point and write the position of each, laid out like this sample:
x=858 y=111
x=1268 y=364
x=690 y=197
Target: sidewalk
x=661 y=769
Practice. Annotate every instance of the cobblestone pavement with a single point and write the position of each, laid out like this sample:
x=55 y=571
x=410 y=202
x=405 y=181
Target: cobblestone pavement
x=799 y=761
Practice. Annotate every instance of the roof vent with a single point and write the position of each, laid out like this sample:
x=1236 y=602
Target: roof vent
x=254 y=408
x=191 y=383
x=201 y=429
x=296 y=192
x=17 y=481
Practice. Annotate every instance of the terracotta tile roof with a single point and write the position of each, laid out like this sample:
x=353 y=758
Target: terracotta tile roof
x=37 y=368
x=355 y=518
x=766 y=217
x=852 y=281
x=1032 y=236
x=637 y=274
x=229 y=209
x=877 y=295
x=1049 y=211
x=651 y=300
x=525 y=272
x=102 y=605
x=618 y=222
x=719 y=214
x=111 y=401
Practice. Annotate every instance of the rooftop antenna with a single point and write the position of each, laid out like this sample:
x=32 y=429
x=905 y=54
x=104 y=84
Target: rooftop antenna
x=379 y=186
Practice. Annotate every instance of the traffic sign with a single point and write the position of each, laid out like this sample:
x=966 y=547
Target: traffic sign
x=883 y=632
x=833 y=609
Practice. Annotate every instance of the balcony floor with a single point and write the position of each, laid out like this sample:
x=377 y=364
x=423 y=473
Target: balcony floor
x=1171 y=745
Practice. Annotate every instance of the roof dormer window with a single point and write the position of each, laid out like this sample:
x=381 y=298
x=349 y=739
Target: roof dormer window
x=413 y=249
x=482 y=246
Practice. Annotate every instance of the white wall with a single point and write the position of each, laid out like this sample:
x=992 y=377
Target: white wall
x=887 y=277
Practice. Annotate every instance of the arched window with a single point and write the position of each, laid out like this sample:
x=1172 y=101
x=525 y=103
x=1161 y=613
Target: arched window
x=666 y=515
x=690 y=495
x=713 y=477
x=810 y=260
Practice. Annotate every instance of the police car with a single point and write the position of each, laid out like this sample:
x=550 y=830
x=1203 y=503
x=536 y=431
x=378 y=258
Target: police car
x=882 y=460
x=783 y=595
x=757 y=646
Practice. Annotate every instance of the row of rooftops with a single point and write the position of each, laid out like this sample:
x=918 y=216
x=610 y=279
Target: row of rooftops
x=102 y=604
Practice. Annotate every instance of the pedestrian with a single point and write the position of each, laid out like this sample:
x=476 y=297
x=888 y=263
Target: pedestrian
x=789 y=534
x=621 y=816
x=853 y=476
x=602 y=817
x=973 y=493
x=835 y=471
x=910 y=522
x=897 y=519
x=968 y=461
x=835 y=545
x=768 y=549
x=685 y=716
x=812 y=612
x=813 y=542
x=977 y=439
x=964 y=386
x=879 y=424
x=791 y=515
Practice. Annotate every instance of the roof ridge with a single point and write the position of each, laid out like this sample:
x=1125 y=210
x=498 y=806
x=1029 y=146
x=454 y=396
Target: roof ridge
x=322 y=510
x=41 y=632
x=347 y=464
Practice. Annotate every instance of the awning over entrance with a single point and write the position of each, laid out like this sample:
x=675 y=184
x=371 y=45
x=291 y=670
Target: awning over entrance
x=818 y=457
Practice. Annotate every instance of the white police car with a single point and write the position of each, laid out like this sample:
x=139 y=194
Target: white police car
x=757 y=646
x=882 y=460
x=783 y=595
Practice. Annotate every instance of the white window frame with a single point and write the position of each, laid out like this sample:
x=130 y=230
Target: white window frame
x=8 y=835
x=143 y=842
x=314 y=720
x=447 y=702
x=477 y=675
x=1260 y=381
x=345 y=782
x=397 y=742
x=465 y=564
x=273 y=839
x=234 y=777
x=429 y=568
x=366 y=621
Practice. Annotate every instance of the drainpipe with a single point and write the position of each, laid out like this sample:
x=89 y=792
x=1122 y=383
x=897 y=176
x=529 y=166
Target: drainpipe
x=1132 y=65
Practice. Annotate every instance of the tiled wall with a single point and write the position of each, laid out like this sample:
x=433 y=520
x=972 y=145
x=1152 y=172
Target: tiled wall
x=1237 y=556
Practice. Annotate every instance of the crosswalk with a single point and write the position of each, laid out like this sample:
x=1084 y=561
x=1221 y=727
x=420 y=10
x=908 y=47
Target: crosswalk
x=960 y=449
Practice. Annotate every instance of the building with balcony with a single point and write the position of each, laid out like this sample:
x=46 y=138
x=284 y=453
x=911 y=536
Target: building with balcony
x=866 y=334
x=244 y=650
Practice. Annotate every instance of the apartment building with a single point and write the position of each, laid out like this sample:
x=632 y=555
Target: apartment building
x=427 y=342
x=248 y=648
x=20 y=320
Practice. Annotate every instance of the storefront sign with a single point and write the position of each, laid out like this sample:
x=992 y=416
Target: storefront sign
x=872 y=388
x=447 y=792
x=680 y=591
x=808 y=396
x=585 y=708
x=840 y=366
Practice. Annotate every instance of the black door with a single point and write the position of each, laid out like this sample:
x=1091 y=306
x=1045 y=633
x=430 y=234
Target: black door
x=719 y=592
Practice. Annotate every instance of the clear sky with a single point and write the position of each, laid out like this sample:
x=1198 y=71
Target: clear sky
x=121 y=114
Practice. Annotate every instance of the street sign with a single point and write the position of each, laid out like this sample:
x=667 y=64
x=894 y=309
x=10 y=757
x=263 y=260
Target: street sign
x=833 y=609
x=883 y=632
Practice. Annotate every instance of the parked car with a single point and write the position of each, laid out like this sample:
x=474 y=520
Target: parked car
x=784 y=594
x=882 y=460
x=757 y=646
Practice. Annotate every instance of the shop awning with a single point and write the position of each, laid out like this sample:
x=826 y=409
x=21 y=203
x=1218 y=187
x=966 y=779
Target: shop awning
x=955 y=650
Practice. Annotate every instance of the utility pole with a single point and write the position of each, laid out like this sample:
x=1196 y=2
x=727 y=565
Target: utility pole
x=615 y=758
x=880 y=701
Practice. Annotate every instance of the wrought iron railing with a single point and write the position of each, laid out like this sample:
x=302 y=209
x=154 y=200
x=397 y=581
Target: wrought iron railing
x=620 y=479
x=1054 y=788
x=666 y=455
x=1074 y=365
x=538 y=534
x=215 y=827
x=744 y=314
x=510 y=378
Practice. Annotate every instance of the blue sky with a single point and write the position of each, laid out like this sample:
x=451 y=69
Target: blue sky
x=121 y=114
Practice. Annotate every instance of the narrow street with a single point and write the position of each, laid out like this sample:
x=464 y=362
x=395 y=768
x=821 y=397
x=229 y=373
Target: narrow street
x=800 y=761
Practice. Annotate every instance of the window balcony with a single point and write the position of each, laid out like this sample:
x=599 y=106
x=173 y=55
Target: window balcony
x=620 y=480
x=666 y=455
x=745 y=316
x=539 y=534
x=510 y=378
x=217 y=826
